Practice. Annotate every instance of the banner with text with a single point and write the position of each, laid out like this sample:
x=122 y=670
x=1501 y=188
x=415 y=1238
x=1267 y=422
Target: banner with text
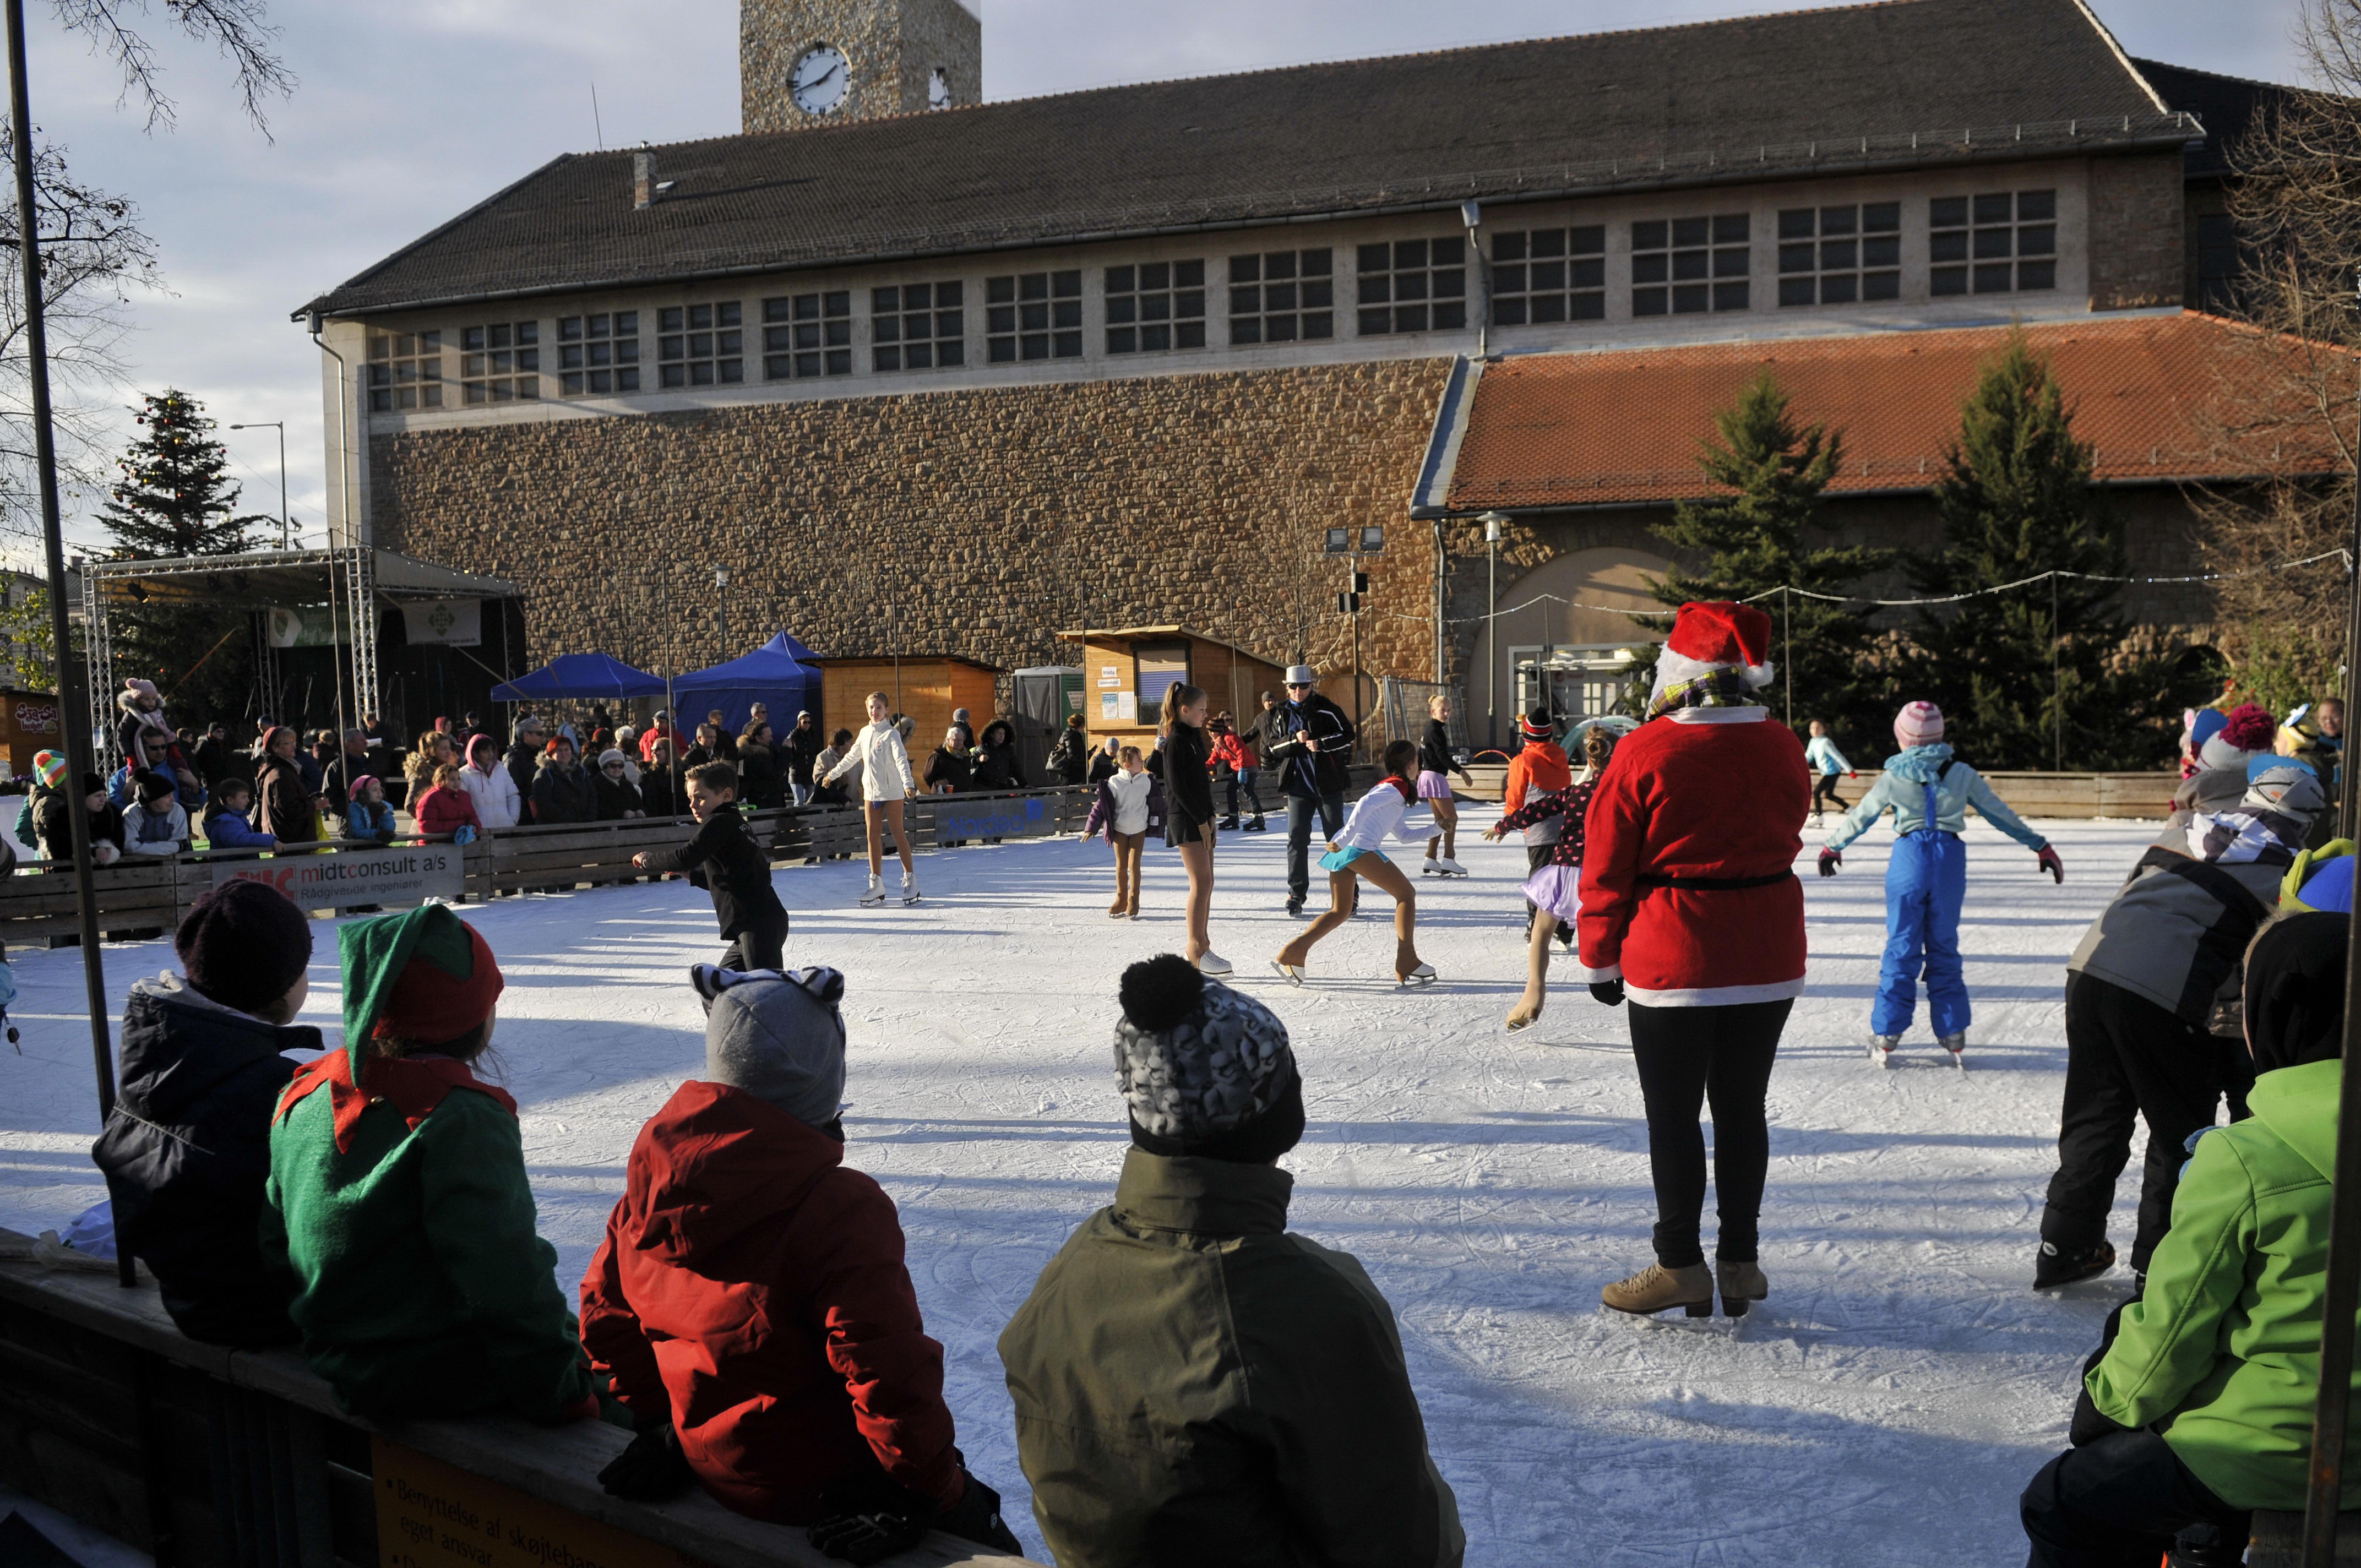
x=960 y=817
x=317 y=628
x=356 y=876
x=449 y=623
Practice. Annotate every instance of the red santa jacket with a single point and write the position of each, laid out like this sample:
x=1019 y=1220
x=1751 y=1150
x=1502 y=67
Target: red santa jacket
x=1702 y=795
x=751 y=1290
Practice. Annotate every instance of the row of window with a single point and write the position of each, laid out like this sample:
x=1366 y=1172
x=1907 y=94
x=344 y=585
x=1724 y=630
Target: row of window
x=1999 y=243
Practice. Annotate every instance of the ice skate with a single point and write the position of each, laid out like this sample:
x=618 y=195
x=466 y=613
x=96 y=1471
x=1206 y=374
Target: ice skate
x=1524 y=1016
x=909 y=890
x=2052 y=1267
x=1211 y=962
x=1295 y=908
x=1957 y=1044
x=1256 y=826
x=1291 y=973
x=1116 y=911
x=1443 y=865
x=1881 y=1048
x=1741 y=1284
x=1656 y=1288
x=1228 y=825
x=876 y=892
x=1421 y=976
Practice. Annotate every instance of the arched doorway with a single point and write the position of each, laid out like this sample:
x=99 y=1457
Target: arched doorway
x=1562 y=628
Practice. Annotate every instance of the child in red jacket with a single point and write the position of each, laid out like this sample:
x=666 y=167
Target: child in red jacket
x=751 y=1302
x=446 y=806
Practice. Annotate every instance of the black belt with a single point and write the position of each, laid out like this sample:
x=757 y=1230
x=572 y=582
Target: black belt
x=1712 y=883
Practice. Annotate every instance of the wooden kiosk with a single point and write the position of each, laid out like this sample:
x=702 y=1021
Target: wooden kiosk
x=1126 y=673
x=929 y=689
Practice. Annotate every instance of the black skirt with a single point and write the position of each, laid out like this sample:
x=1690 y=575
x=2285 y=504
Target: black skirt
x=1179 y=830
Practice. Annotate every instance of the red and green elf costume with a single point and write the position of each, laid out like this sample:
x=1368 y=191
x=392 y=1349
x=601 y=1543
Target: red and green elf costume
x=398 y=1199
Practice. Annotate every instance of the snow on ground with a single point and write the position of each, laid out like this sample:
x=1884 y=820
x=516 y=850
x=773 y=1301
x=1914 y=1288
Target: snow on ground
x=1884 y=1405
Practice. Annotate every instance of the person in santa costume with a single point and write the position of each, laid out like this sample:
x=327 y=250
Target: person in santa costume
x=1929 y=792
x=1690 y=907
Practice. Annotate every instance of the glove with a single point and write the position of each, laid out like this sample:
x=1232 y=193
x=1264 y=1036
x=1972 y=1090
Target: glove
x=869 y=1519
x=1607 y=992
x=652 y=1470
x=2046 y=858
x=1829 y=860
x=976 y=1516
x=1854 y=774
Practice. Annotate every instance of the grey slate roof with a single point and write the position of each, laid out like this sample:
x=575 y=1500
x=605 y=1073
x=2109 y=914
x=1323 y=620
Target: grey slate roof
x=1903 y=82
x=2228 y=105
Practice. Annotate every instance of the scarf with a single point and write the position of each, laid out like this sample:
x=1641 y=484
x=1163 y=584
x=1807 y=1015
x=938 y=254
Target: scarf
x=413 y=1086
x=1400 y=784
x=2247 y=837
x=1723 y=686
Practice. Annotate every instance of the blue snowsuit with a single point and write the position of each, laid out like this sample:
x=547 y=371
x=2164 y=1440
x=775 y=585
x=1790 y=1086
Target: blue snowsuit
x=1927 y=880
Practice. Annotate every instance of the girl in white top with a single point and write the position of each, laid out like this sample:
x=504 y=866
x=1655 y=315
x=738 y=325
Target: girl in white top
x=886 y=781
x=1386 y=812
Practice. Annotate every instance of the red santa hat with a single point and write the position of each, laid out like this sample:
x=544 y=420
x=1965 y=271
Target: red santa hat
x=1717 y=634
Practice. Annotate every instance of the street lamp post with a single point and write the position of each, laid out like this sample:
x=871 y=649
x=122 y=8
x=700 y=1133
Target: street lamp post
x=721 y=610
x=1492 y=522
x=286 y=529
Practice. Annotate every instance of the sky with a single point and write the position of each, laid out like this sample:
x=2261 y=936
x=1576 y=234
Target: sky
x=406 y=114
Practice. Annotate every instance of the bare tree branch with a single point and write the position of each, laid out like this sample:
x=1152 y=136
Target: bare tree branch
x=235 y=28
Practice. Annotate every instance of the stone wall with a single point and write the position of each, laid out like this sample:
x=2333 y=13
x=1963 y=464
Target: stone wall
x=977 y=522
x=2137 y=220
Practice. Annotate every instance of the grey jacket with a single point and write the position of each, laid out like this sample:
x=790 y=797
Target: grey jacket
x=2178 y=932
x=2208 y=789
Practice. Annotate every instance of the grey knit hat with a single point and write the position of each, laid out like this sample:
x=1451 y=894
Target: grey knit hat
x=1197 y=1062
x=778 y=1036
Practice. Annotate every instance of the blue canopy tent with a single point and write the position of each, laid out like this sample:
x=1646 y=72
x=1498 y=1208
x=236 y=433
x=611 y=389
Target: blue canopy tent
x=588 y=676
x=782 y=673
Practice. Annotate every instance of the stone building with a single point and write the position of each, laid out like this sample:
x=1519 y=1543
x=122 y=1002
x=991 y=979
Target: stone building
x=954 y=378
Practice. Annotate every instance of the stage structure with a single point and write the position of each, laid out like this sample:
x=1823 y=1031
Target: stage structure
x=349 y=586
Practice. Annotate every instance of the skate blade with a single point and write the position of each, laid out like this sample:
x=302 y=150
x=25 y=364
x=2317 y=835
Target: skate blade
x=1519 y=1025
x=1286 y=973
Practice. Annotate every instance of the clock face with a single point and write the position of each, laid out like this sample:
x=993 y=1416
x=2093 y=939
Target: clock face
x=820 y=80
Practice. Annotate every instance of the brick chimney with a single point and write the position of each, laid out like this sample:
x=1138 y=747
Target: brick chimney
x=643 y=177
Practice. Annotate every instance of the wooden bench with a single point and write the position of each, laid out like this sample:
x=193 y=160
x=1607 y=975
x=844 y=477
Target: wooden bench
x=207 y=1457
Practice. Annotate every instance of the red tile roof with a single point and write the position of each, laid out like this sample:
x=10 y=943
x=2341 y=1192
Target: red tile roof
x=1623 y=427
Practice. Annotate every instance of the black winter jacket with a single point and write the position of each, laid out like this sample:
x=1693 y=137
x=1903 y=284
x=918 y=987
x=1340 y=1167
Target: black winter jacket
x=285 y=801
x=947 y=767
x=995 y=766
x=758 y=776
x=523 y=759
x=53 y=829
x=1318 y=769
x=1187 y=785
x=617 y=798
x=661 y=790
x=1070 y=757
x=725 y=861
x=186 y=1152
x=801 y=747
x=564 y=794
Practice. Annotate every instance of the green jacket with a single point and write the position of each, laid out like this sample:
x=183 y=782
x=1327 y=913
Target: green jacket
x=1195 y=1386
x=2222 y=1353
x=421 y=1289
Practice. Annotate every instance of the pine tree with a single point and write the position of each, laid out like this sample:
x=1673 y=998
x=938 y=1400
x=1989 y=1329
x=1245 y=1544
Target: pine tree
x=1764 y=538
x=2016 y=502
x=175 y=499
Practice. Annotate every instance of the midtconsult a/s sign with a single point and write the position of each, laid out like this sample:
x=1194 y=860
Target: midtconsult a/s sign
x=355 y=876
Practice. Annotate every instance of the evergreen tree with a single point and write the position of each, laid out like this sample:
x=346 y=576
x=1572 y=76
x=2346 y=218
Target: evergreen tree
x=1773 y=533
x=2016 y=502
x=175 y=499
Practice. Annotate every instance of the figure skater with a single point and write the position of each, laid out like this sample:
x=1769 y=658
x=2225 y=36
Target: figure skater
x=883 y=765
x=1556 y=890
x=1435 y=766
x=1385 y=812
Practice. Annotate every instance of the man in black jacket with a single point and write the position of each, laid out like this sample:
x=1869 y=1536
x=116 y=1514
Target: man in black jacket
x=725 y=860
x=188 y=1146
x=1311 y=744
x=524 y=759
x=803 y=744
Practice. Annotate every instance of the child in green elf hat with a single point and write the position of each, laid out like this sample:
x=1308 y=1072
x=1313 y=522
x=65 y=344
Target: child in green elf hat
x=398 y=1197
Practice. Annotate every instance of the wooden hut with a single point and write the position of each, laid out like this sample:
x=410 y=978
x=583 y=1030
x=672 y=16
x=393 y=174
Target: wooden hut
x=929 y=689
x=1126 y=673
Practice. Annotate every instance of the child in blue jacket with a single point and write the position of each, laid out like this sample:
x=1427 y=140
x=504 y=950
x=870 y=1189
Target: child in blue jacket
x=1927 y=880
x=366 y=815
x=226 y=825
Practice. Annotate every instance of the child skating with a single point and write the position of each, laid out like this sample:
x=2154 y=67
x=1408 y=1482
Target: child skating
x=1435 y=766
x=883 y=763
x=1928 y=791
x=725 y=860
x=1385 y=812
x=1828 y=766
x=1556 y=890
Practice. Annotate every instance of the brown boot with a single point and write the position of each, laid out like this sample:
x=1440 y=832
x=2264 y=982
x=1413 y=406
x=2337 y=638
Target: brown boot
x=1740 y=1283
x=1656 y=1288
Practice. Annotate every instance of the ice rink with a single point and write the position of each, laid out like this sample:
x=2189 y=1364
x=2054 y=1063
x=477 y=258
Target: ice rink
x=1884 y=1405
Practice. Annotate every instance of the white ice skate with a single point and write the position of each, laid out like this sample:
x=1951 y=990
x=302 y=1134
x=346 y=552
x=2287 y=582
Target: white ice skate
x=1957 y=1044
x=1211 y=962
x=1421 y=976
x=876 y=890
x=1881 y=1048
x=1443 y=865
x=909 y=890
x=1291 y=973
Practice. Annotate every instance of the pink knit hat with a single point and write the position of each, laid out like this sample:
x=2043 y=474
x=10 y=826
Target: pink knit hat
x=1919 y=724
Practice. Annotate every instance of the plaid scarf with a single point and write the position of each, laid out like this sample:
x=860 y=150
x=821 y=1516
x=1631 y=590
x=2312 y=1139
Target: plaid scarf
x=2246 y=836
x=1724 y=687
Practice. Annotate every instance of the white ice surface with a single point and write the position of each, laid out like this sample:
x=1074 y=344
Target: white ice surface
x=1885 y=1405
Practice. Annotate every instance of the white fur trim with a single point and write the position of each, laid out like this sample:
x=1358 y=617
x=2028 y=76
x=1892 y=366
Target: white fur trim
x=1746 y=715
x=1715 y=996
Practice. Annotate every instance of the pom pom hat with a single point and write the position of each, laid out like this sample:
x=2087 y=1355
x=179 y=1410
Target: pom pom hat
x=50 y=768
x=2246 y=731
x=243 y=945
x=1715 y=634
x=1206 y=1071
x=1919 y=724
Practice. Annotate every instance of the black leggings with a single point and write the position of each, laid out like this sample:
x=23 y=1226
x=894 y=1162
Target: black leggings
x=1688 y=1057
x=1823 y=788
x=759 y=946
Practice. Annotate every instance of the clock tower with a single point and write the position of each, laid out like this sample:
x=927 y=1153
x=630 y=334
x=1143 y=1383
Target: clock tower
x=816 y=63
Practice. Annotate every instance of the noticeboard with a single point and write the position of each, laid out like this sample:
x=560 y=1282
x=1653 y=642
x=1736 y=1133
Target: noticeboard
x=431 y=1515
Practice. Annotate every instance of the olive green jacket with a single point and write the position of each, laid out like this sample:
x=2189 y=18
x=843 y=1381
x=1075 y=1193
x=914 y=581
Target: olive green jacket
x=1194 y=1386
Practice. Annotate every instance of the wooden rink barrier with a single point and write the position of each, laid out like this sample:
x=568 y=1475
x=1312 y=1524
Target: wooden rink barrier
x=148 y=894
x=2125 y=796
x=208 y=1457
